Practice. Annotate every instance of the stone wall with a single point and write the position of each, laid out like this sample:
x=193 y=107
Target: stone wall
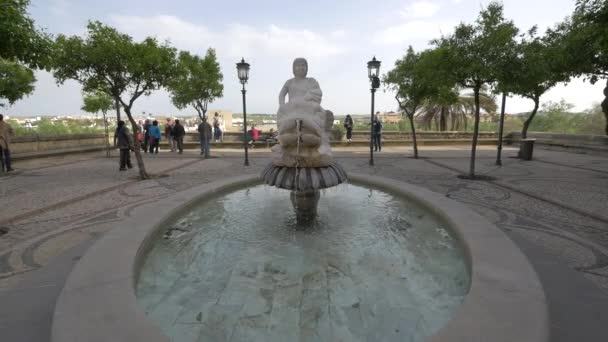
x=36 y=146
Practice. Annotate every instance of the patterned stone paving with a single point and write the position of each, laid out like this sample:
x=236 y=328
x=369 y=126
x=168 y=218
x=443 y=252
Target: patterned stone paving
x=554 y=207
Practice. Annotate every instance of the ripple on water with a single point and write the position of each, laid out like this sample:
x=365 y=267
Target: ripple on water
x=371 y=266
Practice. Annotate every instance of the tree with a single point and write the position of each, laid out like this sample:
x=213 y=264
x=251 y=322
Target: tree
x=410 y=91
x=110 y=62
x=16 y=81
x=21 y=46
x=539 y=68
x=587 y=43
x=197 y=82
x=99 y=102
x=475 y=55
x=454 y=108
x=19 y=38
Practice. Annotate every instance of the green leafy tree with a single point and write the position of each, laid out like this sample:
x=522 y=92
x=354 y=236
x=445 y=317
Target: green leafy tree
x=110 y=62
x=197 y=82
x=441 y=88
x=22 y=45
x=99 y=102
x=539 y=68
x=587 y=43
x=476 y=54
x=20 y=40
x=410 y=92
x=16 y=81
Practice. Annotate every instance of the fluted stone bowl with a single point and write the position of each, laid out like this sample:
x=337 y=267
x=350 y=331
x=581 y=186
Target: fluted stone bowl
x=304 y=178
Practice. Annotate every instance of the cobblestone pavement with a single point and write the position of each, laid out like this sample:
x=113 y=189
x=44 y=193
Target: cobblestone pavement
x=555 y=208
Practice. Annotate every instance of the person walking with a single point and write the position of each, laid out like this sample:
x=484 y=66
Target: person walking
x=377 y=136
x=204 y=134
x=123 y=140
x=6 y=131
x=217 y=127
x=154 y=133
x=178 y=135
x=348 y=124
x=168 y=136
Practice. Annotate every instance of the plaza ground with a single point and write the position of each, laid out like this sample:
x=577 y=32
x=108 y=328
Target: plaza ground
x=555 y=208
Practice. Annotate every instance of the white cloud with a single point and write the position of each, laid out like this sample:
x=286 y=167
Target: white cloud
x=420 y=9
x=413 y=30
x=237 y=40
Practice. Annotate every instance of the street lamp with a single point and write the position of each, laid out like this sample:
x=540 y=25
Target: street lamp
x=243 y=72
x=373 y=71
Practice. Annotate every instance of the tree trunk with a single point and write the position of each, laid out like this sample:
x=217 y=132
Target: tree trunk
x=107 y=134
x=500 y=129
x=117 y=104
x=475 y=133
x=411 y=117
x=524 y=130
x=605 y=106
x=442 y=119
x=140 y=161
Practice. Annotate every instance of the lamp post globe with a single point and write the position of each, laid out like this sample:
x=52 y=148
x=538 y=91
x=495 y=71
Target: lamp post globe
x=243 y=73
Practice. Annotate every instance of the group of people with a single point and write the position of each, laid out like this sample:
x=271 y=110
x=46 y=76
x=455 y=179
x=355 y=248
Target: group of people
x=150 y=136
x=149 y=139
x=6 y=131
x=376 y=131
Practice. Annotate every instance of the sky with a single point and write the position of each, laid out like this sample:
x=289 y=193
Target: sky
x=337 y=37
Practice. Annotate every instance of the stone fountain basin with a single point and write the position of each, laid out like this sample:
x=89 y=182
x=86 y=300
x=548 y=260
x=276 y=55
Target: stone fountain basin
x=505 y=302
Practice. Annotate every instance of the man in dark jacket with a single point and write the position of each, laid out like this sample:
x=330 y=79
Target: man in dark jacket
x=204 y=134
x=123 y=140
x=377 y=129
x=146 y=129
x=178 y=135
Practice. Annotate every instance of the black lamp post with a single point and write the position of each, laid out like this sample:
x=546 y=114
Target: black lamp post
x=243 y=72
x=373 y=71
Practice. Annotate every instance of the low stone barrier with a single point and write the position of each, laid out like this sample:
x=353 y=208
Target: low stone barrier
x=338 y=135
x=35 y=146
x=578 y=143
x=39 y=146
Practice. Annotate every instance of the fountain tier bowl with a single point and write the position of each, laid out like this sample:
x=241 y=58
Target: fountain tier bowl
x=304 y=178
x=505 y=301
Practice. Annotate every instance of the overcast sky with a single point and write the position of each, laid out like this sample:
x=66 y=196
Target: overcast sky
x=337 y=37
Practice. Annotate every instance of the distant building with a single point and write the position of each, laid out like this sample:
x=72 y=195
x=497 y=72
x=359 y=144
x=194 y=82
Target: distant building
x=390 y=117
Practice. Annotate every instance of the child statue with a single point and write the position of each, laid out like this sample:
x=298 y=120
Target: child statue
x=303 y=124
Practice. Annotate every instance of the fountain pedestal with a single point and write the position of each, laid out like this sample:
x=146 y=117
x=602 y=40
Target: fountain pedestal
x=305 y=204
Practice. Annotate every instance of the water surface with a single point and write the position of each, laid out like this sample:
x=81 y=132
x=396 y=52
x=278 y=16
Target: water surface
x=371 y=267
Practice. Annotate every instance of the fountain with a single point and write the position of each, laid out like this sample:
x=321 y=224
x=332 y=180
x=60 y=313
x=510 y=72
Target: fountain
x=380 y=260
x=302 y=161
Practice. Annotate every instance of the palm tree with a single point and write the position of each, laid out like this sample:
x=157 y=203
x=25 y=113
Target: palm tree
x=453 y=109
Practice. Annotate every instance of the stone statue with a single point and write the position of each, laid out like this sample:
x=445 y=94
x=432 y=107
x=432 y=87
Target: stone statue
x=302 y=160
x=303 y=125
